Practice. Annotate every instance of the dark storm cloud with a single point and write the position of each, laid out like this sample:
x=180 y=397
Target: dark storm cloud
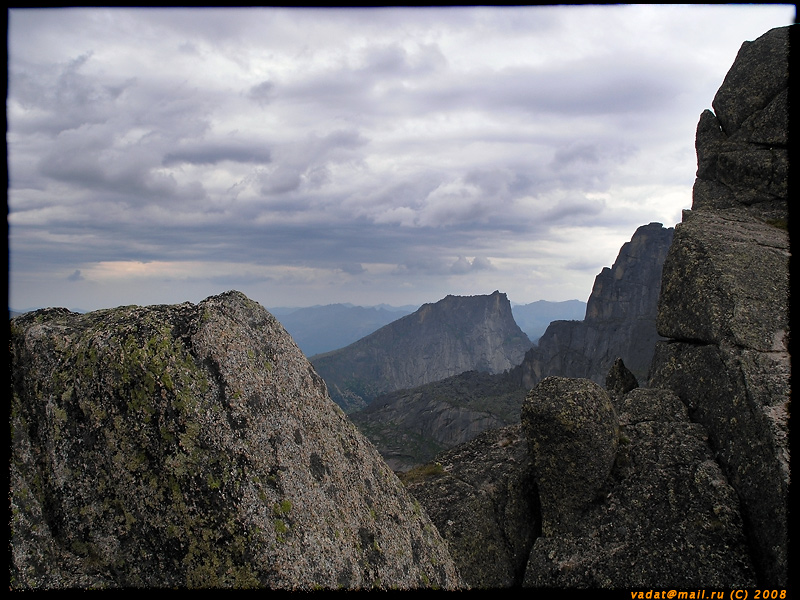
x=263 y=93
x=215 y=153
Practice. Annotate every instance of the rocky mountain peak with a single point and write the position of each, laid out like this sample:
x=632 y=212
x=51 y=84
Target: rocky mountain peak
x=620 y=317
x=448 y=337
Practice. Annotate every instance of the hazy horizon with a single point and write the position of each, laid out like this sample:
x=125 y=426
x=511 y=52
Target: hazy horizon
x=294 y=308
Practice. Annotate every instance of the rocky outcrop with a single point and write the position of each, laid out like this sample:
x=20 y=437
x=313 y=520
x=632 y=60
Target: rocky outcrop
x=638 y=502
x=725 y=294
x=696 y=495
x=620 y=319
x=664 y=516
x=456 y=334
x=195 y=446
x=482 y=498
x=572 y=431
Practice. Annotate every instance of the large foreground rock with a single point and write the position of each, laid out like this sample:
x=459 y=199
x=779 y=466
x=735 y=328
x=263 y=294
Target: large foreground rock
x=572 y=431
x=724 y=303
x=195 y=446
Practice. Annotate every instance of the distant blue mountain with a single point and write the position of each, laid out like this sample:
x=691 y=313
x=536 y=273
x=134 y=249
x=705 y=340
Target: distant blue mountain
x=318 y=329
x=534 y=318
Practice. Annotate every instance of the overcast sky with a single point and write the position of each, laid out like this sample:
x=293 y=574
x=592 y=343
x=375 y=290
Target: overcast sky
x=369 y=156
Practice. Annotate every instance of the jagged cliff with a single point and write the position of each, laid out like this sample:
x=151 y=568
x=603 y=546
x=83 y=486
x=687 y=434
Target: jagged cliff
x=195 y=446
x=456 y=334
x=683 y=484
x=725 y=294
x=620 y=317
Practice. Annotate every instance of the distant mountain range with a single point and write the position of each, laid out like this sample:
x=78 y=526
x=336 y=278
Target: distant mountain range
x=318 y=329
x=323 y=328
x=535 y=317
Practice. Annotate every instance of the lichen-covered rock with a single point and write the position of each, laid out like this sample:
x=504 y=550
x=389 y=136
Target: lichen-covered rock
x=665 y=516
x=195 y=446
x=572 y=432
x=482 y=498
x=724 y=301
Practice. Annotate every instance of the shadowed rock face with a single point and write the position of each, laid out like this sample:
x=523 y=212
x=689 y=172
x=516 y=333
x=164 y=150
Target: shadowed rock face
x=482 y=498
x=456 y=334
x=620 y=317
x=664 y=517
x=195 y=446
x=589 y=492
x=725 y=294
x=410 y=427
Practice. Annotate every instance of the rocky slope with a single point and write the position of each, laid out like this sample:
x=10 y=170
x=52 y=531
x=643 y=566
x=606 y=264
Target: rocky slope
x=410 y=427
x=620 y=317
x=725 y=294
x=456 y=334
x=482 y=497
x=195 y=446
x=639 y=502
x=683 y=484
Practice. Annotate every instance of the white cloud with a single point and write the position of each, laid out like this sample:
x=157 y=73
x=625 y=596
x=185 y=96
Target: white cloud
x=379 y=155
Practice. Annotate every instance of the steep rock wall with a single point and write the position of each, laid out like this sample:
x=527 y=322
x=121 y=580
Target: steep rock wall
x=620 y=317
x=725 y=294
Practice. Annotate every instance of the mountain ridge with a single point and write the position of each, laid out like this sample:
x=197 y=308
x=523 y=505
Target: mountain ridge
x=453 y=335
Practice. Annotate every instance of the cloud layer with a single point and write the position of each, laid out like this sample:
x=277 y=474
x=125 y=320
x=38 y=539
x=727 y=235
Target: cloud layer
x=366 y=156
